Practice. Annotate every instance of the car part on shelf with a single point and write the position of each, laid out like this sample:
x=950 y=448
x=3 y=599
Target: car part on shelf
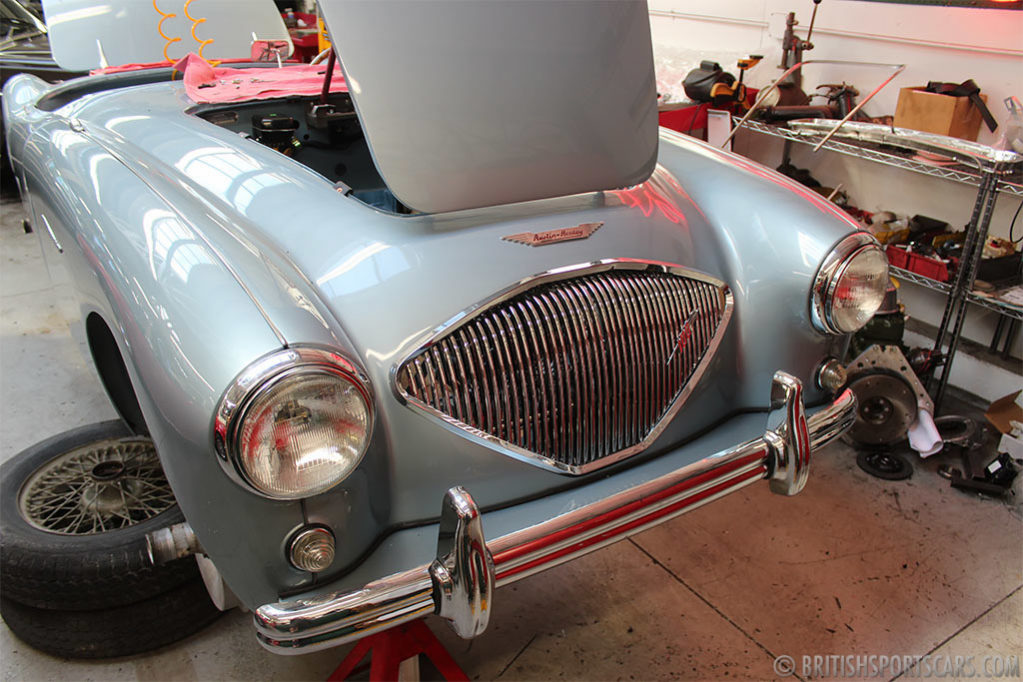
x=700 y=82
x=764 y=93
x=709 y=83
x=792 y=49
x=841 y=97
x=800 y=175
x=74 y=513
x=779 y=113
x=965 y=151
x=883 y=463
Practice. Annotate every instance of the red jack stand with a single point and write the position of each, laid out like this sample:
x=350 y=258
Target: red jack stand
x=388 y=649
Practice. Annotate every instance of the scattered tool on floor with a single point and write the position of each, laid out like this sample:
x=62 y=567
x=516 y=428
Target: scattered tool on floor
x=994 y=478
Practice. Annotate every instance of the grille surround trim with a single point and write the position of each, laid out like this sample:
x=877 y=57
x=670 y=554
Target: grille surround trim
x=452 y=326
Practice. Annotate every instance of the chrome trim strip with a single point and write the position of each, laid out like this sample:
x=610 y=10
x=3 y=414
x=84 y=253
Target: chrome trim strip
x=971 y=153
x=49 y=231
x=570 y=303
x=321 y=621
x=509 y=574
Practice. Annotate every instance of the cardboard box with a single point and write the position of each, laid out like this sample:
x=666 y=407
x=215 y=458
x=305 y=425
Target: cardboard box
x=932 y=112
x=1004 y=411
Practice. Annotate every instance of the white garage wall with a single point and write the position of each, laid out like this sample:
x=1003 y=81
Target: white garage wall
x=986 y=45
x=935 y=43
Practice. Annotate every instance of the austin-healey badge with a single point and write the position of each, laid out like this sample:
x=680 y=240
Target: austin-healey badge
x=562 y=234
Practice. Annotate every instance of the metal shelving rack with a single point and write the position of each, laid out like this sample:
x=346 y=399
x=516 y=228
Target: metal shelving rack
x=992 y=174
x=998 y=306
x=960 y=173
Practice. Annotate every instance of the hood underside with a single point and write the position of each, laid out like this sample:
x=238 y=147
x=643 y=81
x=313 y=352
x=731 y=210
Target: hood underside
x=483 y=103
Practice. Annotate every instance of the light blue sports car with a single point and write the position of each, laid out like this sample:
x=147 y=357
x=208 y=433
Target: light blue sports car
x=453 y=314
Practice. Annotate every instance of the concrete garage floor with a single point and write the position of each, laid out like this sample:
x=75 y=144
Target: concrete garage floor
x=852 y=566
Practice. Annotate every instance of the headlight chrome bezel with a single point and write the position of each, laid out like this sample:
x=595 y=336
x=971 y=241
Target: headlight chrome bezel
x=830 y=274
x=260 y=377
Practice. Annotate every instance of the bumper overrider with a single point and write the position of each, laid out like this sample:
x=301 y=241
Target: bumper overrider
x=458 y=585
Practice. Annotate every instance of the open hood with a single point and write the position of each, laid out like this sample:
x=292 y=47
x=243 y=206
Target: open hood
x=86 y=33
x=488 y=102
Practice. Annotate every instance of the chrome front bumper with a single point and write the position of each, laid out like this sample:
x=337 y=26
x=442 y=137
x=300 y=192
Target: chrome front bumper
x=459 y=584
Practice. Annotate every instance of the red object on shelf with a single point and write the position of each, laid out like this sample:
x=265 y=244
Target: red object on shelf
x=897 y=257
x=389 y=648
x=921 y=265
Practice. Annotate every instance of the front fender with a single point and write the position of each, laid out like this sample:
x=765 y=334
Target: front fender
x=773 y=234
x=185 y=328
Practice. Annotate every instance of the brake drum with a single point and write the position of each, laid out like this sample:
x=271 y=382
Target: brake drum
x=886 y=408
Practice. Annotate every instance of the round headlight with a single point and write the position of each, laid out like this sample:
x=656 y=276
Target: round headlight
x=850 y=285
x=295 y=424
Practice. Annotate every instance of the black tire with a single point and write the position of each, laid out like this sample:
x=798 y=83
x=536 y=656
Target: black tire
x=78 y=572
x=120 y=631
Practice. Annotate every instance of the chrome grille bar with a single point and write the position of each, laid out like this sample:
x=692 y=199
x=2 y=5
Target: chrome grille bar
x=576 y=370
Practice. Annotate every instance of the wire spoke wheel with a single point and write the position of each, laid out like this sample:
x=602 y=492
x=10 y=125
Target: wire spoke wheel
x=101 y=487
x=75 y=511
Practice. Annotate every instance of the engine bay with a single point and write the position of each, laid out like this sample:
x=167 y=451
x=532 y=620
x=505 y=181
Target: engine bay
x=326 y=137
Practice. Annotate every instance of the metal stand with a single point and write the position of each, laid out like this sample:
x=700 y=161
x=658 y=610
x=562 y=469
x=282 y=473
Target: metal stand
x=973 y=249
x=394 y=655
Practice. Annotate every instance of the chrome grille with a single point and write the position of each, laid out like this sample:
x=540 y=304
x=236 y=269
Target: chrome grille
x=573 y=371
